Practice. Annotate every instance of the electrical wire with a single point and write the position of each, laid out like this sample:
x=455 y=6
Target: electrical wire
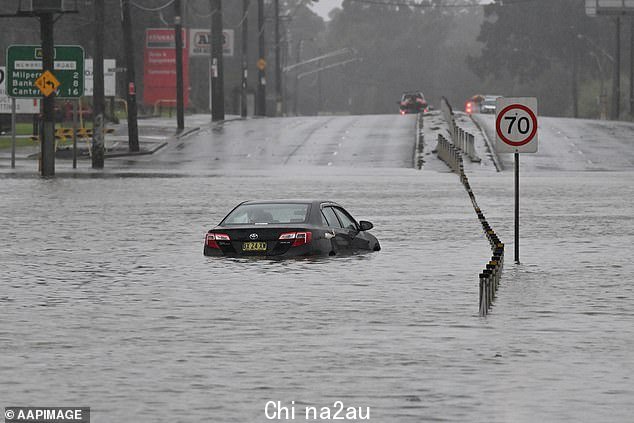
x=441 y=6
x=152 y=9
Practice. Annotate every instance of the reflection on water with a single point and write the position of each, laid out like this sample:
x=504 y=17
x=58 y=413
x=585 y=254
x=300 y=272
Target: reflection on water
x=107 y=301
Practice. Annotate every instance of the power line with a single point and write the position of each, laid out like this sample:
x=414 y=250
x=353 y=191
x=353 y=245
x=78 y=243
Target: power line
x=152 y=9
x=440 y=6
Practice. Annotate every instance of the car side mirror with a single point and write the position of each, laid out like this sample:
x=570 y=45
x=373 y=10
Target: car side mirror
x=364 y=225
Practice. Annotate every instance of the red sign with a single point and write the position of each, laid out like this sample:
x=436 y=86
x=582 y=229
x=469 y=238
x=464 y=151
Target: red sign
x=159 y=72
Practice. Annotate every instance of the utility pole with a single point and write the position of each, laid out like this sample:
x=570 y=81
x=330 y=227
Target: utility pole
x=99 y=101
x=48 y=102
x=126 y=22
x=245 y=45
x=278 y=63
x=632 y=67
x=616 y=79
x=217 y=72
x=261 y=95
x=299 y=59
x=178 y=42
x=575 y=79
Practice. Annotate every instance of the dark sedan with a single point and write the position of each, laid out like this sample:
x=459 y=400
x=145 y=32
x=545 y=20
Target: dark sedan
x=289 y=228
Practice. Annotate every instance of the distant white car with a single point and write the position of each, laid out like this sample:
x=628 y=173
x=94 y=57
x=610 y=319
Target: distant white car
x=488 y=104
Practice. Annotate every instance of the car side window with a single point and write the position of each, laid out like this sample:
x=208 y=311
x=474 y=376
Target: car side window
x=331 y=218
x=347 y=221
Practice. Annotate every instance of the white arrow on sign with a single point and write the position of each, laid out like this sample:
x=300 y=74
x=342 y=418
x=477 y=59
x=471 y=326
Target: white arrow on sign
x=516 y=125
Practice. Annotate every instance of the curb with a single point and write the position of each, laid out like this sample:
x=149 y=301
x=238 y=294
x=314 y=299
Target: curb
x=187 y=133
x=135 y=153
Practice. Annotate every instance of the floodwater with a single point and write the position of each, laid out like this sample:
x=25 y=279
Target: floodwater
x=107 y=301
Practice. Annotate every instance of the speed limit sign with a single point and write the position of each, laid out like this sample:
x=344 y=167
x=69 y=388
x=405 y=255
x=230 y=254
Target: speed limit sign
x=516 y=125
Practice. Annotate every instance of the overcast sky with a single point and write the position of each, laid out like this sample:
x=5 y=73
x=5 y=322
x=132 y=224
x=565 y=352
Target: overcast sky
x=324 y=6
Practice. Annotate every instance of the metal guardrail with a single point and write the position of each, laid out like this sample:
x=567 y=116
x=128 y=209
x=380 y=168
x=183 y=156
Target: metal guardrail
x=419 y=142
x=461 y=138
x=490 y=276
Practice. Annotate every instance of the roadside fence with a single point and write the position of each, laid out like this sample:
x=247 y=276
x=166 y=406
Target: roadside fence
x=491 y=274
x=461 y=138
x=419 y=142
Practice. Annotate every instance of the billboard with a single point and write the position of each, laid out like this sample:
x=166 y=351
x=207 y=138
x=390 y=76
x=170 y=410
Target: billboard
x=199 y=42
x=159 y=70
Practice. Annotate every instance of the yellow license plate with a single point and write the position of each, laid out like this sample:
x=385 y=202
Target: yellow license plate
x=254 y=246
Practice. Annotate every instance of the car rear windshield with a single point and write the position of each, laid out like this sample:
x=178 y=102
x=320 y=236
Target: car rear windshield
x=269 y=213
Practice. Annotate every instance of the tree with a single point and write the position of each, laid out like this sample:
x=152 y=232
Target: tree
x=541 y=43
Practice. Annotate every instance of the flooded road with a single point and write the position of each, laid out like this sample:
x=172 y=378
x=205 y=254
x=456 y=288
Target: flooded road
x=107 y=301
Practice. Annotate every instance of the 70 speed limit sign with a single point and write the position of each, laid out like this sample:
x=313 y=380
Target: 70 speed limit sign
x=516 y=125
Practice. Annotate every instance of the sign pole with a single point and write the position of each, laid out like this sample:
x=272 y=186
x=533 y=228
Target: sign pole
x=517 y=208
x=75 y=102
x=47 y=137
x=13 y=133
x=516 y=132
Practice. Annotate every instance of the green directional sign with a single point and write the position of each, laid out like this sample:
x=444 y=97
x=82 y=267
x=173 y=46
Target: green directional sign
x=24 y=67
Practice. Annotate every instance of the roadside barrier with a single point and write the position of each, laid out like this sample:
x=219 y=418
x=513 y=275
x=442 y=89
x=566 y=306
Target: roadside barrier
x=419 y=142
x=490 y=276
x=66 y=134
x=461 y=138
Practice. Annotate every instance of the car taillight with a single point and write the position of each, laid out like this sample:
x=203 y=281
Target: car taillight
x=469 y=107
x=298 y=238
x=402 y=112
x=211 y=238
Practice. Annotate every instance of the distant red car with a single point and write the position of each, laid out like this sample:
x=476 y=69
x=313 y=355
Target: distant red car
x=473 y=104
x=412 y=102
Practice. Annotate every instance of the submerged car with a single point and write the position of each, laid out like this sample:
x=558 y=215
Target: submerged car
x=289 y=228
x=412 y=102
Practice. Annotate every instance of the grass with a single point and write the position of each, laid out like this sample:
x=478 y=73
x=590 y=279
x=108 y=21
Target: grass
x=5 y=143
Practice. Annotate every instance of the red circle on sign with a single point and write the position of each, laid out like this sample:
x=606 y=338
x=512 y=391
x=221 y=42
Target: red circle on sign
x=499 y=129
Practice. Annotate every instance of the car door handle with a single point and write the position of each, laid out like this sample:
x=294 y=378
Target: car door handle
x=330 y=235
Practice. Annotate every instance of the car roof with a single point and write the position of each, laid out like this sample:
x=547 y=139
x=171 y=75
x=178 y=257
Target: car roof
x=289 y=201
